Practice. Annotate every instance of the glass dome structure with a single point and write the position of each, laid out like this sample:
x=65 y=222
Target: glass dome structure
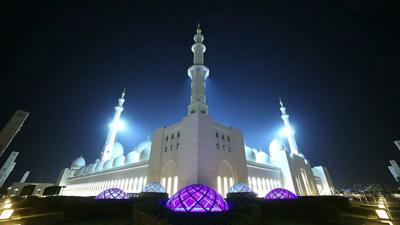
x=240 y=188
x=197 y=198
x=280 y=193
x=112 y=193
x=154 y=187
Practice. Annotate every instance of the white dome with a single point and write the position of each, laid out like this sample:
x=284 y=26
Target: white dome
x=144 y=149
x=261 y=156
x=119 y=161
x=132 y=157
x=84 y=170
x=91 y=168
x=108 y=164
x=276 y=145
x=118 y=150
x=250 y=156
x=99 y=166
x=78 y=163
x=154 y=187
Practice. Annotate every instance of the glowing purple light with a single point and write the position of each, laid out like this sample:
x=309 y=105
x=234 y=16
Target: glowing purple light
x=280 y=193
x=197 y=198
x=112 y=193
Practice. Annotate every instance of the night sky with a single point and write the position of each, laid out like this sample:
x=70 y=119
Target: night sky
x=335 y=64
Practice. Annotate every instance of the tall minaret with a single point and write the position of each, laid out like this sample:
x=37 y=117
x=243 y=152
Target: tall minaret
x=288 y=130
x=198 y=73
x=112 y=133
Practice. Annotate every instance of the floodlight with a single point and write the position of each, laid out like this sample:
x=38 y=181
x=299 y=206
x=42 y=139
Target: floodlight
x=381 y=206
x=286 y=131
x=7 y=205
x=119 y=125
x=382 y=214
x=6 y=214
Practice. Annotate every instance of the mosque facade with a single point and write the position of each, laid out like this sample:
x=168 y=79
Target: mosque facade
x=196 y=150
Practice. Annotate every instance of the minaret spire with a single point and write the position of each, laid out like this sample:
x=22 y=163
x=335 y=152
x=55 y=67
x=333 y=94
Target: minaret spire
x=112 y=133
x=198 y=72
x=288 y=130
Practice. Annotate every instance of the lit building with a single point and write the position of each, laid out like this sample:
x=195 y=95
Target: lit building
x=8 y=167
x=394 y=170
x=196 y=150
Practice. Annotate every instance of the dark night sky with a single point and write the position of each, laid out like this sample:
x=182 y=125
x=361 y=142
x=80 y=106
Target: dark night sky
x=335 y=64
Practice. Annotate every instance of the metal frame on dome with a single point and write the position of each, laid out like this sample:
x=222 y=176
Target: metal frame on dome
x=112 y=193
x=154 y=187
x=280 y=193
x=197 y=198
x=240 y=188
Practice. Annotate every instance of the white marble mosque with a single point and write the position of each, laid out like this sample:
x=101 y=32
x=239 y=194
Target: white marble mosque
x=196 y=149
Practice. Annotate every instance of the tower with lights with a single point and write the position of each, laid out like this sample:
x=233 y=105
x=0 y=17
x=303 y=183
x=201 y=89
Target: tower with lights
x=113 y=129
x=195 y=150
x=289 y=132
x=198 y=72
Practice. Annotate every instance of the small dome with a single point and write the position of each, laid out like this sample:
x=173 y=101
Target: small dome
x=119 y=161
x=154 y=187
x=108 y=164
x=91 y=168
x=112 y=193
x=240 y=188
x=198 y=38
x=250 y=156
x=132 y=157
x=144 y=149
x=280 y=193
x=99 y=166
x=78 y=163
x=79 y=172
x=85 y=170
x=118 y=150
x=197 y=198
x=276 y=145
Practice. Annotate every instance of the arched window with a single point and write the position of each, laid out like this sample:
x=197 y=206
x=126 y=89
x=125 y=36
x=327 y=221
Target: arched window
x=135 y=185
x=130 y=188
x=250 y=182
x=140 y=184
x=175 y=184
x=166 y=138
x=126 y=188
x=122 y=184
x=163 y=182
x=172 y=137
x=222 y=137
x=216 y=135
x=144 y=181
x=225 y=186
x=254 y=184
x=264 y=184
x=169 y=191
x=219 y=185
x=230 y=182
x=259 y=187
x=178 y=134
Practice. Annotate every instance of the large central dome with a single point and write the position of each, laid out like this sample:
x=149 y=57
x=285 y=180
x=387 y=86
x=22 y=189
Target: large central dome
x=197 y=198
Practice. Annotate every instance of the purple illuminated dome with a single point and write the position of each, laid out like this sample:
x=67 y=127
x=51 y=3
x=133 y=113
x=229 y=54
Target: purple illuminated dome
x=280 y=193
x=197 y=198
x=112 y=193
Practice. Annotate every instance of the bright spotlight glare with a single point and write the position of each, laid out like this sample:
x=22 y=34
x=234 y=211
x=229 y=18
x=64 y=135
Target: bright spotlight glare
x=286 y=131
x=6 y=214
x=119 y=125
x=382 y=214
